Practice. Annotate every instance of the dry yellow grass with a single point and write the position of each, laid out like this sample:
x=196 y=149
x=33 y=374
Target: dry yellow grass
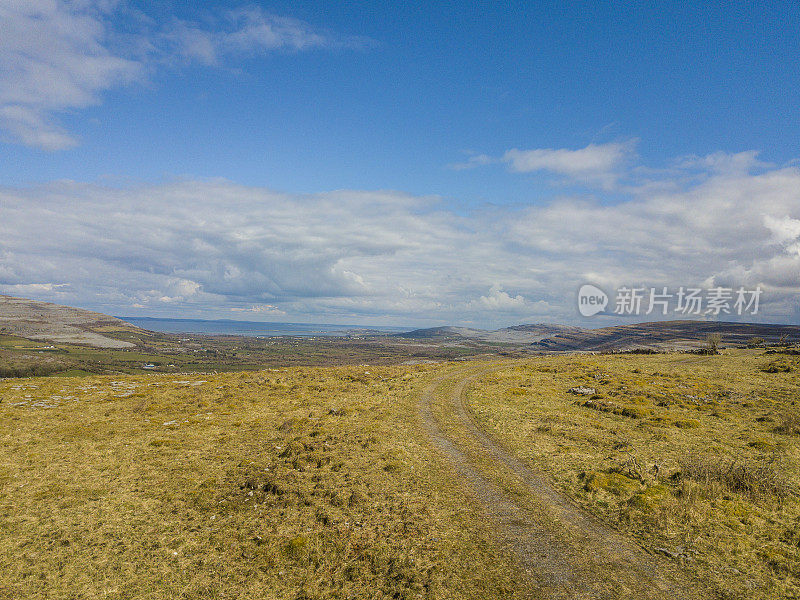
x=319 y=483
x=293 y=483
x=698 y=457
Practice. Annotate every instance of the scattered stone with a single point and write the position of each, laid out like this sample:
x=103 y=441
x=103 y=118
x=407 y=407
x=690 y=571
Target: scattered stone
x=581 y=390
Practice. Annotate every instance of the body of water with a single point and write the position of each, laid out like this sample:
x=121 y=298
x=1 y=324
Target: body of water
x=252 y=328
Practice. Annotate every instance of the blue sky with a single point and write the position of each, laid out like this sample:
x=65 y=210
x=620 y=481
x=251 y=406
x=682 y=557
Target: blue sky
x=478 y=117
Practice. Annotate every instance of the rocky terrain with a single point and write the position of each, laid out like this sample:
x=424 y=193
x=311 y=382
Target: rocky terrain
x=658 y=335
x=43 y=321
x=665 y=335
x=37 y=320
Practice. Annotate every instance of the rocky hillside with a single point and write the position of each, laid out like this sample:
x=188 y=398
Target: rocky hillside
x=665 y=335
x=36 y=320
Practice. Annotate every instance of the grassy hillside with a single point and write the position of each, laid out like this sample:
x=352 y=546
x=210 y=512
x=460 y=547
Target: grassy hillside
x=696 y=456
x=291 y=483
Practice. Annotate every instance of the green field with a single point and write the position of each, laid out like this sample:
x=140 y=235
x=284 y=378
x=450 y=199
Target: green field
x=171 y=353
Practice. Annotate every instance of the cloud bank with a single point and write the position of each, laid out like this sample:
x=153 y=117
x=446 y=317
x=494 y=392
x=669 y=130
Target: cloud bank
x=214 y=248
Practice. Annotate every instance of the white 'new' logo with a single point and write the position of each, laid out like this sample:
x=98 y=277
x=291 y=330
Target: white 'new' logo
x=591 y=300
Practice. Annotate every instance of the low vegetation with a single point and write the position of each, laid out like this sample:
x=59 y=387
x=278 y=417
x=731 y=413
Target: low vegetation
x=696 y=456
x=318 y=482
x=291 y=483
x=173 y=353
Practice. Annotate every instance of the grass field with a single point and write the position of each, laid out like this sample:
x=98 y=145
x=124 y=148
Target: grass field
x=301 y=483
x=319 y=483
x=697 y=457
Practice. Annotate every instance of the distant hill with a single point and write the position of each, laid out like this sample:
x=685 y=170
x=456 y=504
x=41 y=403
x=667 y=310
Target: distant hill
x=432 y=333
x=37 y=320
x=518 y=334
x=663 y=335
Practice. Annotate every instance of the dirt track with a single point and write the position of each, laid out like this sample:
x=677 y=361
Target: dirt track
x=566 y=552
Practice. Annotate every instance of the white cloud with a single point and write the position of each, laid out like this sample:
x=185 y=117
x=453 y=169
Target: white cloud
x=785 y=231
x=594 y=159
x=202 y=247
x=33 y=288
x=54 y=56
x=475 y=160
x=595 y=164
x=264 y=309
x=62 y=55
x=249 y=30
x=723 y=162
x=499 y=300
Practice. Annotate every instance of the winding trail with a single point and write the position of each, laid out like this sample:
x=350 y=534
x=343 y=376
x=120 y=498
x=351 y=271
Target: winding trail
x=566 y=552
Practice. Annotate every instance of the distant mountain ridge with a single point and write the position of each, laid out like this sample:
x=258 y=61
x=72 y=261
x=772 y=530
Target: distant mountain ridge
x=36 y=320
x=656 y=335
x=517 y=334
x=664 y=335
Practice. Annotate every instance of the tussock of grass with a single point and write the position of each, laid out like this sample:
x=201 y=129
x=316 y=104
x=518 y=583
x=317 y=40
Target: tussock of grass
x=779 y=366
x=789 y=424
x=756 y=480
x=597 y=403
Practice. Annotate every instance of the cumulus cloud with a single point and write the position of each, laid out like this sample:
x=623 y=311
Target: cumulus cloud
x=785 y=231
x=60 y=55
x=203 y=248
x=499 y=300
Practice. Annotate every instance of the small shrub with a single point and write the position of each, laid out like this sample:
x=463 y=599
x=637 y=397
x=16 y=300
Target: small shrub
x=762 y=445
x=615 y=483
x=296 y=546
x=713 y=341
x=779 y=366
